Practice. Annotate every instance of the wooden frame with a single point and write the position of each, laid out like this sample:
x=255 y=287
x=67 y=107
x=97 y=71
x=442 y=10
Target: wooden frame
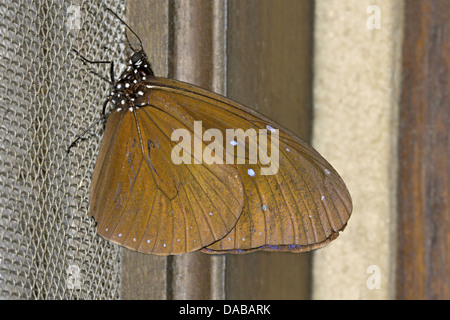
x=423 y=232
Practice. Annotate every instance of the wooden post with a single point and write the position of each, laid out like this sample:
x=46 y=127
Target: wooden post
x=423 y=258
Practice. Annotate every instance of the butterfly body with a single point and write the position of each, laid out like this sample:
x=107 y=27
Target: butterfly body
x=127 y=91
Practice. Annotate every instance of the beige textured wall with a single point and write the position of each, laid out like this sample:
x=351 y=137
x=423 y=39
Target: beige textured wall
x=356 y=90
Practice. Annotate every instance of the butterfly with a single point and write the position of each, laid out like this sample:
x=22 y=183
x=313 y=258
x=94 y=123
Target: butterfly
x=150 y=194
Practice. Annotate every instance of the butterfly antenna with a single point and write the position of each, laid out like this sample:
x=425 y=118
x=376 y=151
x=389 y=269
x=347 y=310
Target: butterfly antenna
x=129 y=28
x=85 y=61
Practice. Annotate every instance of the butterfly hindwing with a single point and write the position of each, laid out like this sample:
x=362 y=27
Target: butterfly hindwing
x=302 y=206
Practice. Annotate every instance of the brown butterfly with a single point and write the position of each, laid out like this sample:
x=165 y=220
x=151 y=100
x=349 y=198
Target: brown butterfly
x=144 y=200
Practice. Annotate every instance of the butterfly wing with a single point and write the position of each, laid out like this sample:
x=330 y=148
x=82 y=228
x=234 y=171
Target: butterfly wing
x=143 y=201
x=301 y=207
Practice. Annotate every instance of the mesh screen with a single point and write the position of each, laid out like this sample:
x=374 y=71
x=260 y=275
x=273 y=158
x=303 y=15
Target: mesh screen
x=48 y=247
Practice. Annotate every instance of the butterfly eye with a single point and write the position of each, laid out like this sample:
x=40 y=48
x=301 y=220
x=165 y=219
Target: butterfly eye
x=138 y=57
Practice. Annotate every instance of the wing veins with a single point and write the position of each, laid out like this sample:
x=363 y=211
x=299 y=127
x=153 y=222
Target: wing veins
x=312 y=198
x=128 y=199
x=206 y=167
x=148 y=162
x=148 y=219
x=307 y=234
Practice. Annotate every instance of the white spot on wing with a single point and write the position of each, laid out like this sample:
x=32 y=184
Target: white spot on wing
x=251 y=172
x=270 y=128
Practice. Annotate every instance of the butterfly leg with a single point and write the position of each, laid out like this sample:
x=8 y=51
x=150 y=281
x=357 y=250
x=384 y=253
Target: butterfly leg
x=111 y=63
x=111 y=72
x=104 y=107
x=80 y=136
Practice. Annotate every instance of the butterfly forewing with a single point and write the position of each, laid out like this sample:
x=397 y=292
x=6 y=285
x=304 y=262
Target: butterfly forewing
x=143 y=201
x=217 y=199
x=302 y=206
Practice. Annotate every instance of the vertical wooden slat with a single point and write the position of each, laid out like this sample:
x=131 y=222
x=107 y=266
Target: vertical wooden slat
x=145 y=276
x=423 y=259
x=269 y=68
x=356 y=97
x=184 y=41
x=198 y=57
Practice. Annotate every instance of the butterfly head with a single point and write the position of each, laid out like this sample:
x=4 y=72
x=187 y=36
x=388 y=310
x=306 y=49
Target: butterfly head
x=138 y=57
x=138 y=64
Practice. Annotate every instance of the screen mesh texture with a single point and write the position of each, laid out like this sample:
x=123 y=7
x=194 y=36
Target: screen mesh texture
x=49 y=248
